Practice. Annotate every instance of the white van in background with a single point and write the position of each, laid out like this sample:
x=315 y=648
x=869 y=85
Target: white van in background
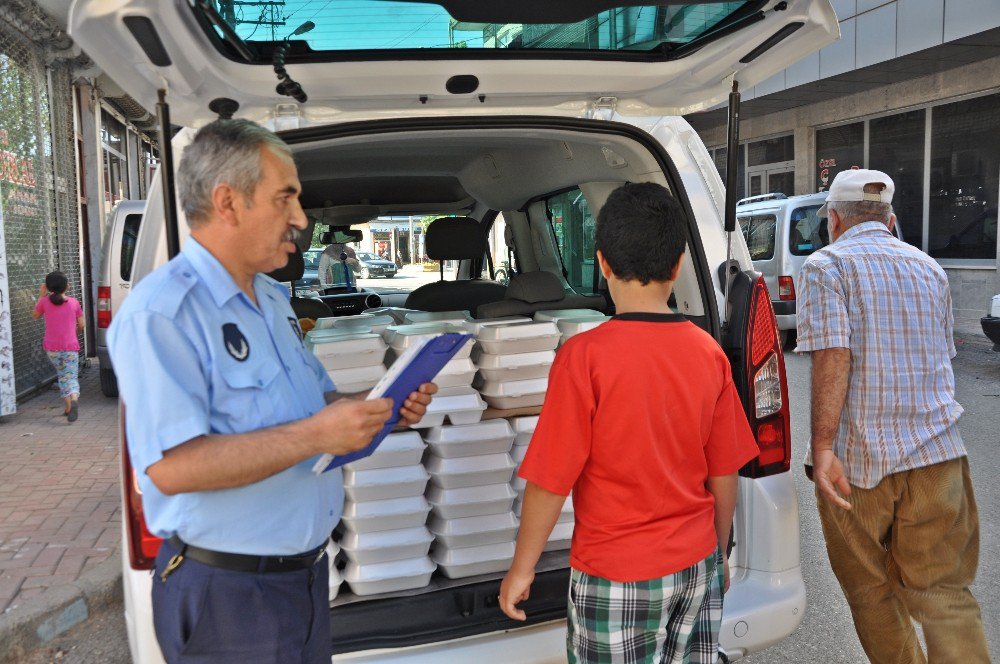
x=115 y=279
x=537 y=129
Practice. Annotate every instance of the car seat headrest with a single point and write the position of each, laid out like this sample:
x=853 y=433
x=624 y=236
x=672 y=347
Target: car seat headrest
x=534 y=287
x=455 y=239
x=292 y=271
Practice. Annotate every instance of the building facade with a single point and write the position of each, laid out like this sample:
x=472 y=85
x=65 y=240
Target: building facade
x=912 y=88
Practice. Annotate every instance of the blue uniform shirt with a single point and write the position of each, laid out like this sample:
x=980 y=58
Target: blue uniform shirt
x=195 y=356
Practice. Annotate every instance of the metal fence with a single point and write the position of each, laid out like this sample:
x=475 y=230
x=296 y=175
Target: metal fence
x=38 y=180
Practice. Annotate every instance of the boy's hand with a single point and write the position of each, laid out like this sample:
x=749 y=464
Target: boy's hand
x=515 y=587
x=415 y=406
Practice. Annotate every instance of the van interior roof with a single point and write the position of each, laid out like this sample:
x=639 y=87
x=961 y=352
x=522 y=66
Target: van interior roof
x=442 y=170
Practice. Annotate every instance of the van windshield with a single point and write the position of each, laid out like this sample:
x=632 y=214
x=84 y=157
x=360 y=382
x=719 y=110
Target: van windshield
x=808 y=232
x=386 y=25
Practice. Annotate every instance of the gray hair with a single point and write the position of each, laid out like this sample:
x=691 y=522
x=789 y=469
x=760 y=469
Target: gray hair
x=856 y=212
x=223 y=152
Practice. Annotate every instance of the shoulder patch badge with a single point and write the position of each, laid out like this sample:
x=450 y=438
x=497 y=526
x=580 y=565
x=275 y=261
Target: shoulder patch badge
x=236 y=343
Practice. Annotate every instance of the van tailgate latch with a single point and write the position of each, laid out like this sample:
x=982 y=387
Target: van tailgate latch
x=604 y=108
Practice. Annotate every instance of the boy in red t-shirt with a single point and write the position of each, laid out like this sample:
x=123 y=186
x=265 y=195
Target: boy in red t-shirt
x=643 y=424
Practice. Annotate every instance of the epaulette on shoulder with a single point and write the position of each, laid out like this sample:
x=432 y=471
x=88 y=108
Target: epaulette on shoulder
x=170 y=286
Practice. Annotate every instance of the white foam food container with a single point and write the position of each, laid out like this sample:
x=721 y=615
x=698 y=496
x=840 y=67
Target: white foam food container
x=515 y=366
x=358 y=323
x=385 y=483
x=459 y=317
x=386 y=546
x=337 y=350
x=562 y=314
x=459 y=472
x=457 y=373
x=524 y=428
x=357 y=379
x=373 y=516
x=389 y=577
x=396 y=313
x=517 y=453
x=335 y=578
x=518 y=337
x=569 y=327
x=489 y=437
x=561 y=537
x=463 y=408
x=514 y=393
x=471 y=501
x=475 y=324
x=474 y=530
x=404 y=448
x=474 y=560
x=401 y=337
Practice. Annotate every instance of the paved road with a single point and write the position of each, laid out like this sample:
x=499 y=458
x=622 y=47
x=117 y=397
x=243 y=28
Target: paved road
x=826 y=635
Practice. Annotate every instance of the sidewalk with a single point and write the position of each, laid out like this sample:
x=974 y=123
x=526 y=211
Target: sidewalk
x=59 y=497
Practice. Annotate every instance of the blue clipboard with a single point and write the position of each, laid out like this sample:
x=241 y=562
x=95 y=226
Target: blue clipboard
x=418 y=365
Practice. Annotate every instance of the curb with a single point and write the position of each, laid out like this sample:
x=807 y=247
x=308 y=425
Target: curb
x=39 y=620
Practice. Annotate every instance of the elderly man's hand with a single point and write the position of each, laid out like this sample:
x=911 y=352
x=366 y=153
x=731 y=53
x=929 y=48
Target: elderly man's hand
x=828 y=473
x=416 y=404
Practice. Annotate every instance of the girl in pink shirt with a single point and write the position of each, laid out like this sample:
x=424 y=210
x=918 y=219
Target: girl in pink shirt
x=63 y=317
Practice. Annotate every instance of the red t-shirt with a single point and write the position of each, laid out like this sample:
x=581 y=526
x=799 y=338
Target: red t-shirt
x=639 y=413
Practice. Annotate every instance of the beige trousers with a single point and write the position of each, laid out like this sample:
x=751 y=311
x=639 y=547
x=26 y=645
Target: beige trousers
x=909 y=548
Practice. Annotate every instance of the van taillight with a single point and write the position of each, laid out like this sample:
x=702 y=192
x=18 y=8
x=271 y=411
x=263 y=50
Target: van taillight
x=103 y=307
x=786 y=288
x=142 y=544
x=768 y=412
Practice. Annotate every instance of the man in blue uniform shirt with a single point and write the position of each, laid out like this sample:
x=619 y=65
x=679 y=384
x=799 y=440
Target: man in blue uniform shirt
x=226 y=412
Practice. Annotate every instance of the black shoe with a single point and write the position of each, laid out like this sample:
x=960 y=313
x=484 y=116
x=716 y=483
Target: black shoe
x=72 y=414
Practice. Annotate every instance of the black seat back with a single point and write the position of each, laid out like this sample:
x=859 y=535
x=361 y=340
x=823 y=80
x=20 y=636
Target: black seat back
x=303 y=307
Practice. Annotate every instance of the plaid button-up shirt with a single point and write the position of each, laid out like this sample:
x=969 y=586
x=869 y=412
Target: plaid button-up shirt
x=890 y=305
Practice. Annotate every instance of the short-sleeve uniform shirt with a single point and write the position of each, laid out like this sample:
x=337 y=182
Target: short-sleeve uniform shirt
x=195 y=356
x=639 y=413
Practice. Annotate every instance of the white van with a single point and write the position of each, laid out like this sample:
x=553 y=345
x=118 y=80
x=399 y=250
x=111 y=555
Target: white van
x=781 y=232
x=531 y=119
x=115 y=282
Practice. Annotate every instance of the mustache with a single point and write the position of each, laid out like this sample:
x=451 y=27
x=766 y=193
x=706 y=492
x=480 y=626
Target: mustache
x=292 y=235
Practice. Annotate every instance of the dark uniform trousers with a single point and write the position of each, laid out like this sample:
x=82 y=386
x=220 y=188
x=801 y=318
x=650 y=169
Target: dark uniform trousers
x=210 y=615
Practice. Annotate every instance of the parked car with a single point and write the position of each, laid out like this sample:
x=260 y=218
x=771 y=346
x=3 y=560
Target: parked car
x=410 y=129
x=781 y=232
x=370 y=265
x=991 y=323
x=115 y=279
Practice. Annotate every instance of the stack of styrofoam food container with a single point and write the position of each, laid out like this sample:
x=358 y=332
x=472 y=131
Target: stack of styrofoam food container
x=472 y=522
x=352 y=359
x=562 y=534
x=364 y=322
x=396 y=313
x=513 y=359
x=456 y=399
x=570 y=327
x=383 y=531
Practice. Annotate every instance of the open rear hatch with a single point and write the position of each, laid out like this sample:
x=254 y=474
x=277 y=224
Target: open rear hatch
x=372 y=59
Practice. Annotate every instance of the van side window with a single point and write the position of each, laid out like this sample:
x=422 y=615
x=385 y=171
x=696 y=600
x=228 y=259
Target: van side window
x=807 y=232
x=130 y=233
x=574 y=229
x=758 y=231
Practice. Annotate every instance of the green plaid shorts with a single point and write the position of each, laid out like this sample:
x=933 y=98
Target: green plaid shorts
x=672 y=619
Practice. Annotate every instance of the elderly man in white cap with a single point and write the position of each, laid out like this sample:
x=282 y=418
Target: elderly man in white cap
x=892 y=478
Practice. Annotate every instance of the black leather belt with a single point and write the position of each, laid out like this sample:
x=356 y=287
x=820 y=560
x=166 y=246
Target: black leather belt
x=239 y=562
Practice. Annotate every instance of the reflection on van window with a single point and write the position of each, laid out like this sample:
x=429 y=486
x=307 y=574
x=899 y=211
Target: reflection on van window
x=129 y=235
x=758 y=231
x=807 y=232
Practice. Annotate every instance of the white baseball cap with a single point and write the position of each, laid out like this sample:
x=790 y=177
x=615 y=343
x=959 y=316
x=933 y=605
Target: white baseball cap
x=850 y=186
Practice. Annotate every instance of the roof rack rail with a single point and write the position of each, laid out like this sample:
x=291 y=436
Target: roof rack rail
x=763 y=197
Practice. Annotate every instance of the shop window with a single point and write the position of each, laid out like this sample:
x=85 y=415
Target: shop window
x=771 y=150
x=838 y=149
x=574 y=229
x=758 y=231
x=896 y=147
x=965 y=172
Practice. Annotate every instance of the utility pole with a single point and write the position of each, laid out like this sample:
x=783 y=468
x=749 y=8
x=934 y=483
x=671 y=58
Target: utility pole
x=268 y=13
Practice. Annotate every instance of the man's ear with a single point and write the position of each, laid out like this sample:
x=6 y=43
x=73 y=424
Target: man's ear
x=892 y=221
x=605 y=268
x=225 y=203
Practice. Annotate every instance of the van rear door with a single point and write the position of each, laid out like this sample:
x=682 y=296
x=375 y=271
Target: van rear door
x=374 y=59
